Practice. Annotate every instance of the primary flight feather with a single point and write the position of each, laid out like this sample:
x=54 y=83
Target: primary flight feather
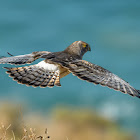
x=57 y=65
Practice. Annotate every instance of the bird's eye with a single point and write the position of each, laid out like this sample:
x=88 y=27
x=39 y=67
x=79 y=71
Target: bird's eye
x=84 y=45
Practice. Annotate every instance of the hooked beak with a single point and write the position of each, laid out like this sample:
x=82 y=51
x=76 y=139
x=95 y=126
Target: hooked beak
x=89 y=49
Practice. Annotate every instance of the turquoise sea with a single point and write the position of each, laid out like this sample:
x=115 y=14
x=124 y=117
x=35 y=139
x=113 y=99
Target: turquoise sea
x=112 y=28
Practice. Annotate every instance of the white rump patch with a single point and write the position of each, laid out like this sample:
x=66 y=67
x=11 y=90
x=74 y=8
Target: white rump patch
x=47 y=66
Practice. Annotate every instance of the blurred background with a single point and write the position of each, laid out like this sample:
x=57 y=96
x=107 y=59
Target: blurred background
x=112 y=30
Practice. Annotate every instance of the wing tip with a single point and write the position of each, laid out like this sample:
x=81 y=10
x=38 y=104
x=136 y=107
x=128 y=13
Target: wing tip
x=138 y=95
x=8 y=68
x=2 y=57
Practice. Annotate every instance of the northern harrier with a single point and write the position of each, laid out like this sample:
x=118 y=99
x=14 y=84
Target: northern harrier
x=57 y=65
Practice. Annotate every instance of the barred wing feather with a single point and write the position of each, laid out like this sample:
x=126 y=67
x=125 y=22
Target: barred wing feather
x=98 y=75
x=23 y=59
x=42 y=74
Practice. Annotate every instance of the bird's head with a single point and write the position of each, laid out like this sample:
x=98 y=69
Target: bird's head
x=78 y=48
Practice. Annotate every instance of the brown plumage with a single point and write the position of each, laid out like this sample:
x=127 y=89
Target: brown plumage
x=34 y=76
x=57 y=65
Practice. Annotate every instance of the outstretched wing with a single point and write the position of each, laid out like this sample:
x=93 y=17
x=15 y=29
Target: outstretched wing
x=24 y=59
x=42 y=74
x=98 y=75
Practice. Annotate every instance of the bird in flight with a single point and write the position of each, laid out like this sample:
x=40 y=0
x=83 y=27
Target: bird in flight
x=57 y=65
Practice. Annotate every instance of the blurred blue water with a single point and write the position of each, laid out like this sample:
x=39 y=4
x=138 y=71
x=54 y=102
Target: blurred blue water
x=110 y=27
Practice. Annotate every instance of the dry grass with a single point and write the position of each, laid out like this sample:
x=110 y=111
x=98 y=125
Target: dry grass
x=63 y=124
x=28 y=134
